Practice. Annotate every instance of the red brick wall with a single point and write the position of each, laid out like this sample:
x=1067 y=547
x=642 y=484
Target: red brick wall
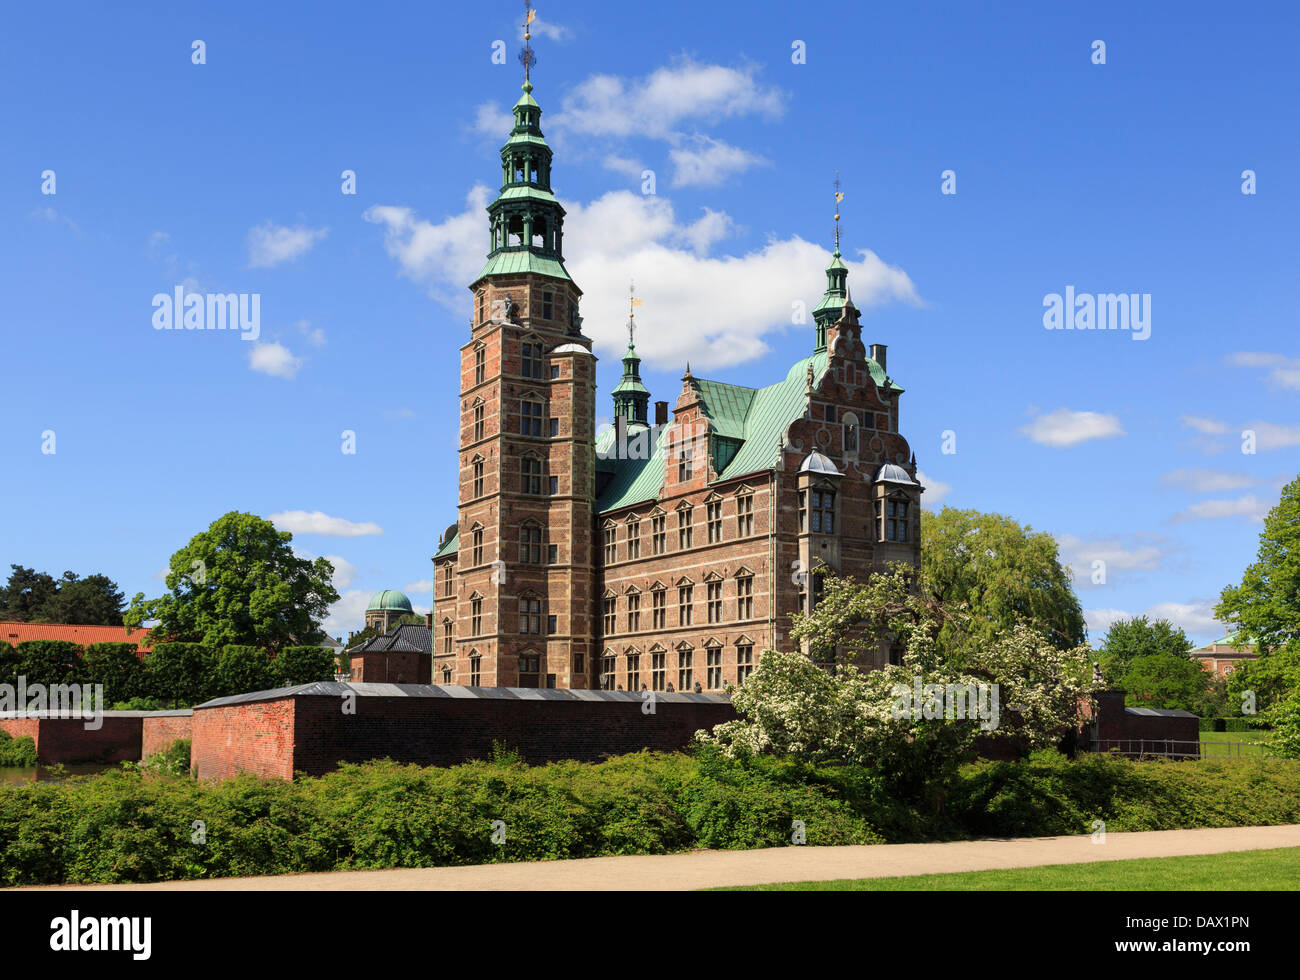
x=159 y=732
x=237 y=738
x=432 y=731
x=68 y=739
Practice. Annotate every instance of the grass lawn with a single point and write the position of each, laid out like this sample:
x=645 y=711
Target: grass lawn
x=1231 y=745
x=1271 y=870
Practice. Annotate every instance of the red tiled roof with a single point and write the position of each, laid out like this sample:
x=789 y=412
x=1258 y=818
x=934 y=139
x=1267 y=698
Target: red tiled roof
x=15 y=633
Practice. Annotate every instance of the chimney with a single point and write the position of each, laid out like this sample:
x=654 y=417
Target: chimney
x=878 y=355
x=661 y=413
x=428 y=620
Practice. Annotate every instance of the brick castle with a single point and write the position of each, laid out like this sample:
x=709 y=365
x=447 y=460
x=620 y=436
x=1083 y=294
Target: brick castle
x=662 y=553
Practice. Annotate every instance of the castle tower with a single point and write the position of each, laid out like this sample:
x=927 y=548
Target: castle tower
x=631 y=397
x=524 y=569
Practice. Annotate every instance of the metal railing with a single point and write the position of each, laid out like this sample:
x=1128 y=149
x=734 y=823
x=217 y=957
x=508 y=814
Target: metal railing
x=1169 y=748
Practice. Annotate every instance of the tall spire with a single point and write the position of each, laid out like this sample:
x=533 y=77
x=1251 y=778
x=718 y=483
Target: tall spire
x=837 y=273
x=526 y=222
x=631 y=397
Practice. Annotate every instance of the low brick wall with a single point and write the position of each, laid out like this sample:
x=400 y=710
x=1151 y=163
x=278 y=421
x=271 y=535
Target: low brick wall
x=308 y=730
x=1134 y=731
x=161 y=729
x=120 y=737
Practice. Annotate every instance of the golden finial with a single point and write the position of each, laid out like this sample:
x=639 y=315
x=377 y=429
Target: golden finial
x=838 y=198
x=632 y=304
x=526 y=56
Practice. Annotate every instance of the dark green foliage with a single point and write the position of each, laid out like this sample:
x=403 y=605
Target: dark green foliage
x=19 y=751
x=118 y=667
x=136 y=824
x=50 y=662
x=303 y=665
x=178 y=672
x=238 y=670
x=35 y=597
x=173 y=760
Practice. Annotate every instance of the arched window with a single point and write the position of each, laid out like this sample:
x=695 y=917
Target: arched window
x=475 y=669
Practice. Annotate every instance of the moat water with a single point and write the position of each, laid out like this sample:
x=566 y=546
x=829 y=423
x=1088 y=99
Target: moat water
x=46 y=774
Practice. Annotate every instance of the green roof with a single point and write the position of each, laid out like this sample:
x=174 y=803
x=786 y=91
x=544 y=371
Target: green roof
x=389 y=599
x=522 y=260
x=450 y=547
x=534 y=193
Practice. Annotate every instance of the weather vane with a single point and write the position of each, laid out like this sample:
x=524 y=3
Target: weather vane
x=632 y=304
x=526 y=56
x=838 y=198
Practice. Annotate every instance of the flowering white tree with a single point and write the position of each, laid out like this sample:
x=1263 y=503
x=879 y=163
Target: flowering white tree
x=915 y=721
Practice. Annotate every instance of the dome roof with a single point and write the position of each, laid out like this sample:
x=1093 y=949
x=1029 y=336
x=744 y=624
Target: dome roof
x=893 y=473
x=572 y=349
x=389 y=599
x=816 y=462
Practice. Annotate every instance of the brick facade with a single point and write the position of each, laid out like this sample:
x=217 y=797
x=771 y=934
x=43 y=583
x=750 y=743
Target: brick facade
x=124 y=736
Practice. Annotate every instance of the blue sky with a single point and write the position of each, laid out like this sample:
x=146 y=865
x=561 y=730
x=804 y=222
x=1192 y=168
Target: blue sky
x=226 y=177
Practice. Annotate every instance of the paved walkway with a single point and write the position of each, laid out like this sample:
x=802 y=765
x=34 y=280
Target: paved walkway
x=710 y=869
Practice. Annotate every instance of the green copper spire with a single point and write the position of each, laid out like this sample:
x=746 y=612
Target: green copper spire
x=526 y=222
x=631 y=397
x=837 y=274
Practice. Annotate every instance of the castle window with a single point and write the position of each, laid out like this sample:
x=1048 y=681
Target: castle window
x=823 y=512
x=744 y=661
x=714 y=602
x=611 y=615
x=531 y=616
x=713 y=664
x=480 y=365
x=475 y=669
x=530 y=417
x=745 y=515
x=478 y=422
x=685 y=673
x=476 y=617
x=555 y=371
x=896 y=528
x=607 y=666
x=685 y=464
x=633 y=539
x=446 y=635
x=658 y=670
x=659 y=609
x=830 y=413
x=552 y=553
x=554 y=428
x=684 y=529
x=880 y=522
x=476 y=551
x=530 y=544
x=803 y=511
x=658 y=533
x=530 y=668
x=446 y=675
x=713 y=517
x=553 y=485
x=633 y=612
x=552 y=625
x=446 y=579
x=611 y=545
x=478 y=478
x=548 y=306
x=532 y=361
x=633 y=671
x=579 y=663
x=530 y=471
x=745 y=597
x=818 y=589
x=481 y=294
x=685 y=608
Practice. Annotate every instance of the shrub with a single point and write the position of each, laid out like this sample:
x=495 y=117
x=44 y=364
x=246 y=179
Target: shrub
x=19 y=751
x=240 y=669
x=50 y=662
x=303 y=665
x=173 y=760
x=118 y=667
x=177 y=672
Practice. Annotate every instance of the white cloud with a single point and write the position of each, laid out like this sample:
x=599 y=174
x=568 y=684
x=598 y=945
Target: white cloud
x=491 y=120
x=274 y=359
x=315 y=335
x=624 y=165
x=1269 y=435
x=1195 y=618
x=1248 y=506
x=345 y=573
x=422 y=587
x=316 y=522
x=1208 y=481
x=271 y=244
x=1283 y=371
x=935 y=490
x=1064 y=428
x=549 y=30
x=1142 y=552
x=1207 y=427
x=680 y=94
x=400 y=413
x=713 y=311
x=348 y=615
x=706 y=162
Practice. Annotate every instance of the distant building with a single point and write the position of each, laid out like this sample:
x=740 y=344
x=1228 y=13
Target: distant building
x=402 y=656
x=15 y=633
x=386 y=607
x=1224 y=655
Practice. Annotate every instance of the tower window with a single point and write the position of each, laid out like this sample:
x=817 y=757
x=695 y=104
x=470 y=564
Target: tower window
x=480 y=365
x=476 y=617
x=548 y=306
x=896 y=527
x=478 y=422
x=713 y=662
x=446 y=636
x=745 y=515
x=530 y=417
x=530 y=545
x=745 y=597
x=530 y=616
x=685 y=606
x=532 y=360
x=478 y=478
x=529 y=669
x=611 y=545
x=610 y=618
x=554 y=428
x=685 y=464
x=530 y=471
x=476 y=551
x=475 y=670
x=714 y=604
x=713 y=518
x=684 y=529
x=823 y=512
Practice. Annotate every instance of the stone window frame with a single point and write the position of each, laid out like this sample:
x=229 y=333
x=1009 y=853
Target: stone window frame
x=532 y=410
x=744 y=511
x=531 y=475
x=480 y=419
x=744 y=658
x=713 y=609
x=744 y=593
x=479 y=468
x=480 y=363
x=609 y=535
x=535 y=655
x=633 y=608
x=476 y=544
x=633 y=525
x=476 y=614
x=685 y=526
x=658 y=667
x=532 y=365
x=713 y=517
x=658 y=531
x=659 y=606
x=609 y=613
x=475 y=669
x=632 y=672
x=685 y=601
x=532 y=612
x=448 y=634
x=532 y=542
x=685 y=667
x=713 y=664
x=608 y=670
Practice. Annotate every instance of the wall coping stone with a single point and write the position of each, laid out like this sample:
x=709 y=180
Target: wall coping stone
x=336 y=689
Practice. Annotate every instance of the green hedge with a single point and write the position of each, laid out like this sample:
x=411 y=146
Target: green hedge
x=1250 y=724
x=19 y=751
x=136 y=825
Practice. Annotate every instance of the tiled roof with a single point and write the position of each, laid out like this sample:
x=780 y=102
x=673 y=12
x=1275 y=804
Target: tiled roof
x=404 y=639
x=335 y=689
x=16 y=633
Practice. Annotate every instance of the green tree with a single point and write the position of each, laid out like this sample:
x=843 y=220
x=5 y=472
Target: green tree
x=1128 y=639
x=50 y=662
x=93 y=601
x=118 y=667
x=1161 y=680
x=1268 y=680
x=239 y=669
x=239 y=582
x=304 y=665
x=25 y=594
x=1002 y=572
x=1265 y=607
